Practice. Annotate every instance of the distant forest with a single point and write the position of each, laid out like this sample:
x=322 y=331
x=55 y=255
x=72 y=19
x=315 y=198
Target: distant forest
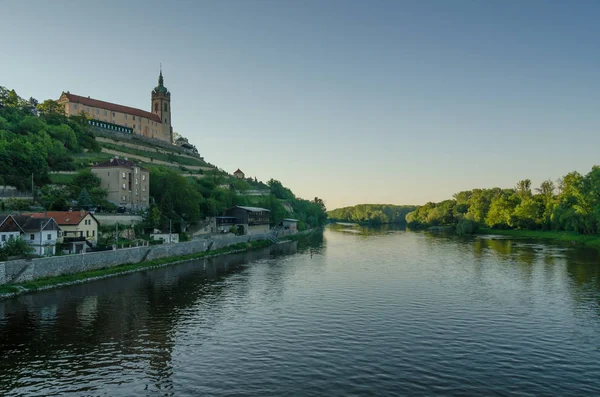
x=571 y=204
x=374 y=214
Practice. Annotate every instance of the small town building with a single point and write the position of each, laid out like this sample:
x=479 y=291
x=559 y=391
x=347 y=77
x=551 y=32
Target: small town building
x=9 y=229
x=167 y=238
x=289 y=226
x=41 y=233
x=127 y=184
x=253 y=220
x=79 y=229
x=223 y=224
x=124 y=119
x=239 y=174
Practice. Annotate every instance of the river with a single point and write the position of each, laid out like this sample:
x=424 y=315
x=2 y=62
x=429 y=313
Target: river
x=352 y=312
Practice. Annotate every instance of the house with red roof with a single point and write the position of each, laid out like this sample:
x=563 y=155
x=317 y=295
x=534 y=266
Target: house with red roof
x=79 y=229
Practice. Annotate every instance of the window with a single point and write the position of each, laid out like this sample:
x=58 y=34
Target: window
x=97 y=111
x=32 y=236
x=144 y=189
x=125 y=117
x=3 y=237
x=49 y=237
x=93 y=233
x=123 y=197
x=139 y=118
x=123 y=175
x=87 y=109
x=123 y=186
x=74 y=106
x=113 y=114
x=108 y=173
x=105 y=113
x=134 y=126
x=143 y=177
x=87 y=233
x=166 y=121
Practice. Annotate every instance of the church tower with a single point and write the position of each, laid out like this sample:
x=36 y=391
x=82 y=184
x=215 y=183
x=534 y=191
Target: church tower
x=161 y=106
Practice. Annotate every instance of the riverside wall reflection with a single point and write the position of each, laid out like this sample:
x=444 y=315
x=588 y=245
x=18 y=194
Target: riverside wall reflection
x=130 y=316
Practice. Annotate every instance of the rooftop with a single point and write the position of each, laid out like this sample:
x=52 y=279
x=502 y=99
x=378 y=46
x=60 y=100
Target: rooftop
x=113 y=107
x=117 y=162
x=254 y=209
x=64 y=217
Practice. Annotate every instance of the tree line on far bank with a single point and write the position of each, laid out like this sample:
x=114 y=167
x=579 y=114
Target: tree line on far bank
x=373 y=214
x=571 y=204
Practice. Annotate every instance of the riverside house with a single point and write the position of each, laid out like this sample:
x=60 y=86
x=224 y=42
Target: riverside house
x=9 y=229
x=41 y=233
x=79 y=229
x=254 y=220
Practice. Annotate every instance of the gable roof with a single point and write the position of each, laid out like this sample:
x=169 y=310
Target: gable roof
x=31 y=224
x=87 y=101
x=8 y=224
x=114 y=162
x=238 y=171
x=67 y=218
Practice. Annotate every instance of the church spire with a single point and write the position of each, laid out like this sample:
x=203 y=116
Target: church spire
x=160 y=77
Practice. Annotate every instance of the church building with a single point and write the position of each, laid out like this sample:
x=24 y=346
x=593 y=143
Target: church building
x=110 y=116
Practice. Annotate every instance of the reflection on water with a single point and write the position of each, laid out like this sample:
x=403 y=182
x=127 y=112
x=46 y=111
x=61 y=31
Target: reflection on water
x=375 y=311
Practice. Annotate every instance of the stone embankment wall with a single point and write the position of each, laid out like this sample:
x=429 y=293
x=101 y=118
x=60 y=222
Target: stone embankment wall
x=20 y=271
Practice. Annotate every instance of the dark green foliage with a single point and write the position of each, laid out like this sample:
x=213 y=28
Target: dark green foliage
x=36 y=140
x=572 y=205
x=373 y=214
x=16 y=247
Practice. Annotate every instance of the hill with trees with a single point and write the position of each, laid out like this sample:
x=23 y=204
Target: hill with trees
x=37 y=139
x=571 y=204
x=373 y=214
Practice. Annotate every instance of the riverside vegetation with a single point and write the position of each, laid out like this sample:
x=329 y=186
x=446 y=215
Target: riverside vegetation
x=372 y=214
x=566 y=210
x=38 y=138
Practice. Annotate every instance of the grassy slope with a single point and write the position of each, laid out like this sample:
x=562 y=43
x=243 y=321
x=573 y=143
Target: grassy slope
x=571 y=237
x=155 y=155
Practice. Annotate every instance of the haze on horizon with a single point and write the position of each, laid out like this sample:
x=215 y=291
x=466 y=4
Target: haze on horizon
x=398 y=102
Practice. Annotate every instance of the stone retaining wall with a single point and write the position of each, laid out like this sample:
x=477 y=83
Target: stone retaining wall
x=20 y=271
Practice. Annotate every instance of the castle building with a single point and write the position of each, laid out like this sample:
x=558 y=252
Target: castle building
x=110 y=116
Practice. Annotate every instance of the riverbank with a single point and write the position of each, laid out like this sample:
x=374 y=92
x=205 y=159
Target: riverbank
x=568 y=237
x=10 y=290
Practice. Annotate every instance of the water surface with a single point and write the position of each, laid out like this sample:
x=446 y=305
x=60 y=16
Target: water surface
x=352 y=312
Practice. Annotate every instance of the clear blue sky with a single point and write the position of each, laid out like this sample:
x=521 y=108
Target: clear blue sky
x=398 y=102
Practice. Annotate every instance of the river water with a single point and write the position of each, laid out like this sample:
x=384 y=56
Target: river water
x=353 y=312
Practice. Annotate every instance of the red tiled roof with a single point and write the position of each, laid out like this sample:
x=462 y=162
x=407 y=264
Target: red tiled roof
x=63 y=217
x=113 y=107
x=114 y=162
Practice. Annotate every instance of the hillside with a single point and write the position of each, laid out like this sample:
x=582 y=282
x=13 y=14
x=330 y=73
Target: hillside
x=39 y=142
